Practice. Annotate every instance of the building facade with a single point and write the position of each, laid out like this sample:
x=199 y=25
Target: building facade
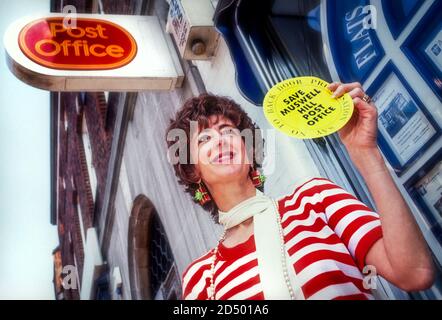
x=125 y=223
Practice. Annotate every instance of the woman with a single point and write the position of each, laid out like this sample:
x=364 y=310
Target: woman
x=312 y=244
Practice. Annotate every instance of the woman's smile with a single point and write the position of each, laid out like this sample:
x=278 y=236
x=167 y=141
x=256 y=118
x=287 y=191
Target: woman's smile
x=224 y=158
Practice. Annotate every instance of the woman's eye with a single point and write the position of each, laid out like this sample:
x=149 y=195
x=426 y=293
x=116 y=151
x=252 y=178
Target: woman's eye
x=203 y=138
x=229 y=131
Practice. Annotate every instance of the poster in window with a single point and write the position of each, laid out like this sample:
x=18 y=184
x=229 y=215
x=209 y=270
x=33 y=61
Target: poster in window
x=425 y=188
x=434 y=51
x=430 y=190
x=405 y=127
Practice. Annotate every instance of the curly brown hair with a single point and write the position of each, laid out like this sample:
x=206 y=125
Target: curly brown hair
x=199 y=109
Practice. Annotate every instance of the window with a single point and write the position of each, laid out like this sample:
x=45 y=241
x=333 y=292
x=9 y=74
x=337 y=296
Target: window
x=284 y=39
x=160 y=256
x=152 y=271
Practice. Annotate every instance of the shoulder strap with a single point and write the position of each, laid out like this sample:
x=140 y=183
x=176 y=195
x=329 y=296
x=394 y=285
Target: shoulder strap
x=268 y=250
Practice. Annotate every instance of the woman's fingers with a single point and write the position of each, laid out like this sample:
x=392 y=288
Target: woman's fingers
x=332 y=86
x=356 y=93
x=339 y=89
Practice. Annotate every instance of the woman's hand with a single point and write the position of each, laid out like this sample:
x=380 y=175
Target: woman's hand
x=361 y=131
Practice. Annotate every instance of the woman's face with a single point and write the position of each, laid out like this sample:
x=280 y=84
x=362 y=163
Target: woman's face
x=219 y=152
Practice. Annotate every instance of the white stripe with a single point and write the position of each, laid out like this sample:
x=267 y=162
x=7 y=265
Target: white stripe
x=301 y=209
x=325 y=232
x=307 y=222
x=350 y=217
x=317 y=197
x=360 y=233
x=328 y=265
x=243 y=277
x=305 y=187
x=235 y=265
x=199 y=286
x=250 y=292
x=339 y=247
x=335 y=290
x=218 y=265
x=335 y=206
x=332 y=192
x=194 y=269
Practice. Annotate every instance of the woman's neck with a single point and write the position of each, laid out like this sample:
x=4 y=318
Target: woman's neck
x=228 y=195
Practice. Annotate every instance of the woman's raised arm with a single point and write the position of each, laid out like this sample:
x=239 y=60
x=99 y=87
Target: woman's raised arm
x=401 y=256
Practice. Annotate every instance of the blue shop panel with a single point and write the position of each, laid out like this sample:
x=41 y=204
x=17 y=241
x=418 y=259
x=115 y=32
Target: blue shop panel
x=423 y=47
x=353 y=41
x=398 y=14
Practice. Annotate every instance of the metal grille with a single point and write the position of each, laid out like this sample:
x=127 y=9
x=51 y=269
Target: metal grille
x=161 y=257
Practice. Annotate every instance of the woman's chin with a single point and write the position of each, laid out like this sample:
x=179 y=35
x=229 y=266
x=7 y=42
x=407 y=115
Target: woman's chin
x=228 y=171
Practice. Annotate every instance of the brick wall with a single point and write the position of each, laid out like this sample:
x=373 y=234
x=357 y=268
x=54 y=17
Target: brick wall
x=100 y=138
x=74 y=189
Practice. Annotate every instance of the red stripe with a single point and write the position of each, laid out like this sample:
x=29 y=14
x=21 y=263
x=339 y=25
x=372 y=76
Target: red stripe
x=354 y=226
x=228 y=263
x=236 y=273
x=315 y=256
x=223 y=267
x=365 y=244
x=333 y=198
x=331 y=239
x=188 y=287
x=318 y=225
x=314 y=190
x=302 y=216
x=203 y=294
x=241 y=287
x=326 y=279
x=343 y=211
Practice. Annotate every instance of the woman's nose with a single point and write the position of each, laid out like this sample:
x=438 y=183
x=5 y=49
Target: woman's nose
x=221 y=142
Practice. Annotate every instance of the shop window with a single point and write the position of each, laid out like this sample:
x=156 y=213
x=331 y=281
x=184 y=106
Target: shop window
x=284 y=39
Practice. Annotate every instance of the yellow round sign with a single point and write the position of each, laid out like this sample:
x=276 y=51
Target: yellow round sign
x=304 y=108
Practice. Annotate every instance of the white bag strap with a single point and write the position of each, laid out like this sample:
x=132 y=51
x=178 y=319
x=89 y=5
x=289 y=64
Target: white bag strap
x=268 y=250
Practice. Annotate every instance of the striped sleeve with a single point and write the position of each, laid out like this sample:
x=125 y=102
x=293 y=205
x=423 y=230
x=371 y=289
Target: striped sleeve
x=355 y=223
x=195 y=279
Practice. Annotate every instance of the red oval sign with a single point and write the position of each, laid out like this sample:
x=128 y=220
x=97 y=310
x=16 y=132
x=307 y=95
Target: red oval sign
x=92 y=45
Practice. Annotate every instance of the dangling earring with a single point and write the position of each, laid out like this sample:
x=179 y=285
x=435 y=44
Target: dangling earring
x=257 y=178
x=201 y=194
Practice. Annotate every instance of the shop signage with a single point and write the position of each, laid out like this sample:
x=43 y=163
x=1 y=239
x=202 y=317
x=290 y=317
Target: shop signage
x=94 y=44
x=98 y=52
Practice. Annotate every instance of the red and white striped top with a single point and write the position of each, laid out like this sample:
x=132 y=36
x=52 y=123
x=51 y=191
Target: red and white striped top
x=328 y=233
